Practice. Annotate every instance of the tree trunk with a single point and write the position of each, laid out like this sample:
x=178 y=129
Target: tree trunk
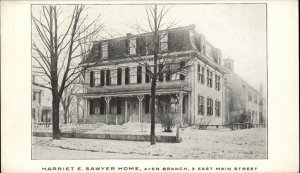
x=55 y=117
x=152 y=134
x=154 y=77
x=65 y=117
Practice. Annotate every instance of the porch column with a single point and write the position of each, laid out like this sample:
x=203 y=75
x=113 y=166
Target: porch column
x=180 y=98
x=107 y=99
x=85 y=108
x=125 y=100
x=140 y=97
x=77 y=108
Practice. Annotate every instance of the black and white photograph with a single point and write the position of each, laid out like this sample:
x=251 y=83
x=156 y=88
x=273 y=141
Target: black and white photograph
x=139 y=81
x=149 y=86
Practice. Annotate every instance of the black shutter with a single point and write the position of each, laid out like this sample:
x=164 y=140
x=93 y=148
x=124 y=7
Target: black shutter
x=147 y=104
x=139 y=74
x=119 y=101
x=107 y=77
x=127 y=75
x=161 y=75
x=119 y=76
x=102 y=80
x=102 y=104
x=91 y=107
x=182 y=64
x=147 y=76
x=91 y=79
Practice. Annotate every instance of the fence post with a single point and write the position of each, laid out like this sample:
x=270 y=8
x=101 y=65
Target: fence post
x=177 y=134
x=116 y=120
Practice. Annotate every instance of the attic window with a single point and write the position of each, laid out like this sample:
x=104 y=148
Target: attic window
x=104 y=47
x=164 y=41
x=132 y=46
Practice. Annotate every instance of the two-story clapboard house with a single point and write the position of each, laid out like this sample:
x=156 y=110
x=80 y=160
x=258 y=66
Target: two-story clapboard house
x=118 y=88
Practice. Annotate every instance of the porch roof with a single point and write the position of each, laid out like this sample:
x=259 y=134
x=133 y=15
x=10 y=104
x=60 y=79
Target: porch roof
x=138 y=89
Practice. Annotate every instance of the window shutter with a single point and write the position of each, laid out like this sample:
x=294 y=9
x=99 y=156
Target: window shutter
x=139 y=74
x=127 y=75
x=119 y=106
x=107 y=77
x=119 y=76
x=91 y=107
x=161 y=75
x=91 y=79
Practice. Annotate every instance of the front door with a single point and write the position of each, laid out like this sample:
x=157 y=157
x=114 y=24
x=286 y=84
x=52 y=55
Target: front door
x=133 y=111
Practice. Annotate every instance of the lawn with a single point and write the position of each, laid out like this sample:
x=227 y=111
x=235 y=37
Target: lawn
x=196 y=144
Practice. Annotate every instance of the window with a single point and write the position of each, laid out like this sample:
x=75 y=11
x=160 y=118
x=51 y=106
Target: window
x=218 y=79
x=96 y=106
x=164 y=41
x=132 y=46
x=104 y=48
x=133 y=75
x=182 y=73
x=255 y=99
x=113 y=107
x=127 y=70
x=217 y=107
x=116 y=106
x=174 y=67
x=119 y=77
x=209 y=78
x=102 y=79
x=147 y=104
x=147 y=75
x=91 y=79
x=200 y=105
x=97 y=78
x=168 y=75
x=102 y=106
x=113 y=77
x=249 y=96
x=34 y=96
x=174 y=105
x=107 y=77
x=210 y=105
x=201 y=71
x=139 y=74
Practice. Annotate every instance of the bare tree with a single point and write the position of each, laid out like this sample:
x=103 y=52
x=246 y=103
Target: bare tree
x=162 y=57
x=68 y=99
x=56 y=50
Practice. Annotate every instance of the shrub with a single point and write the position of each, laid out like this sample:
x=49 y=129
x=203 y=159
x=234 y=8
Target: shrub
x=203 y=122
x=167 y=118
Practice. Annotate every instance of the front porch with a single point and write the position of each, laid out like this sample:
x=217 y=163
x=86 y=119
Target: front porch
x=121 y=109
x=131 y=104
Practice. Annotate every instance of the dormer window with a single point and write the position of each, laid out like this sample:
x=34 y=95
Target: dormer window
x=104 y=47
x=164 y=41
x=132 y=46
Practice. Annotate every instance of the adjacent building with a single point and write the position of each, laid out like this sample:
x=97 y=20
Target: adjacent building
x=41 y=102
x=118 y=87
x=242 y=98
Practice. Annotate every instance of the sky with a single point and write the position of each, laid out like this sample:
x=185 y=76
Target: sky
x=239 y=30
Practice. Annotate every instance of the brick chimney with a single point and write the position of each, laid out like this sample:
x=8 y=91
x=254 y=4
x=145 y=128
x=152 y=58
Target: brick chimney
x=128 y=35
x=229 y=64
